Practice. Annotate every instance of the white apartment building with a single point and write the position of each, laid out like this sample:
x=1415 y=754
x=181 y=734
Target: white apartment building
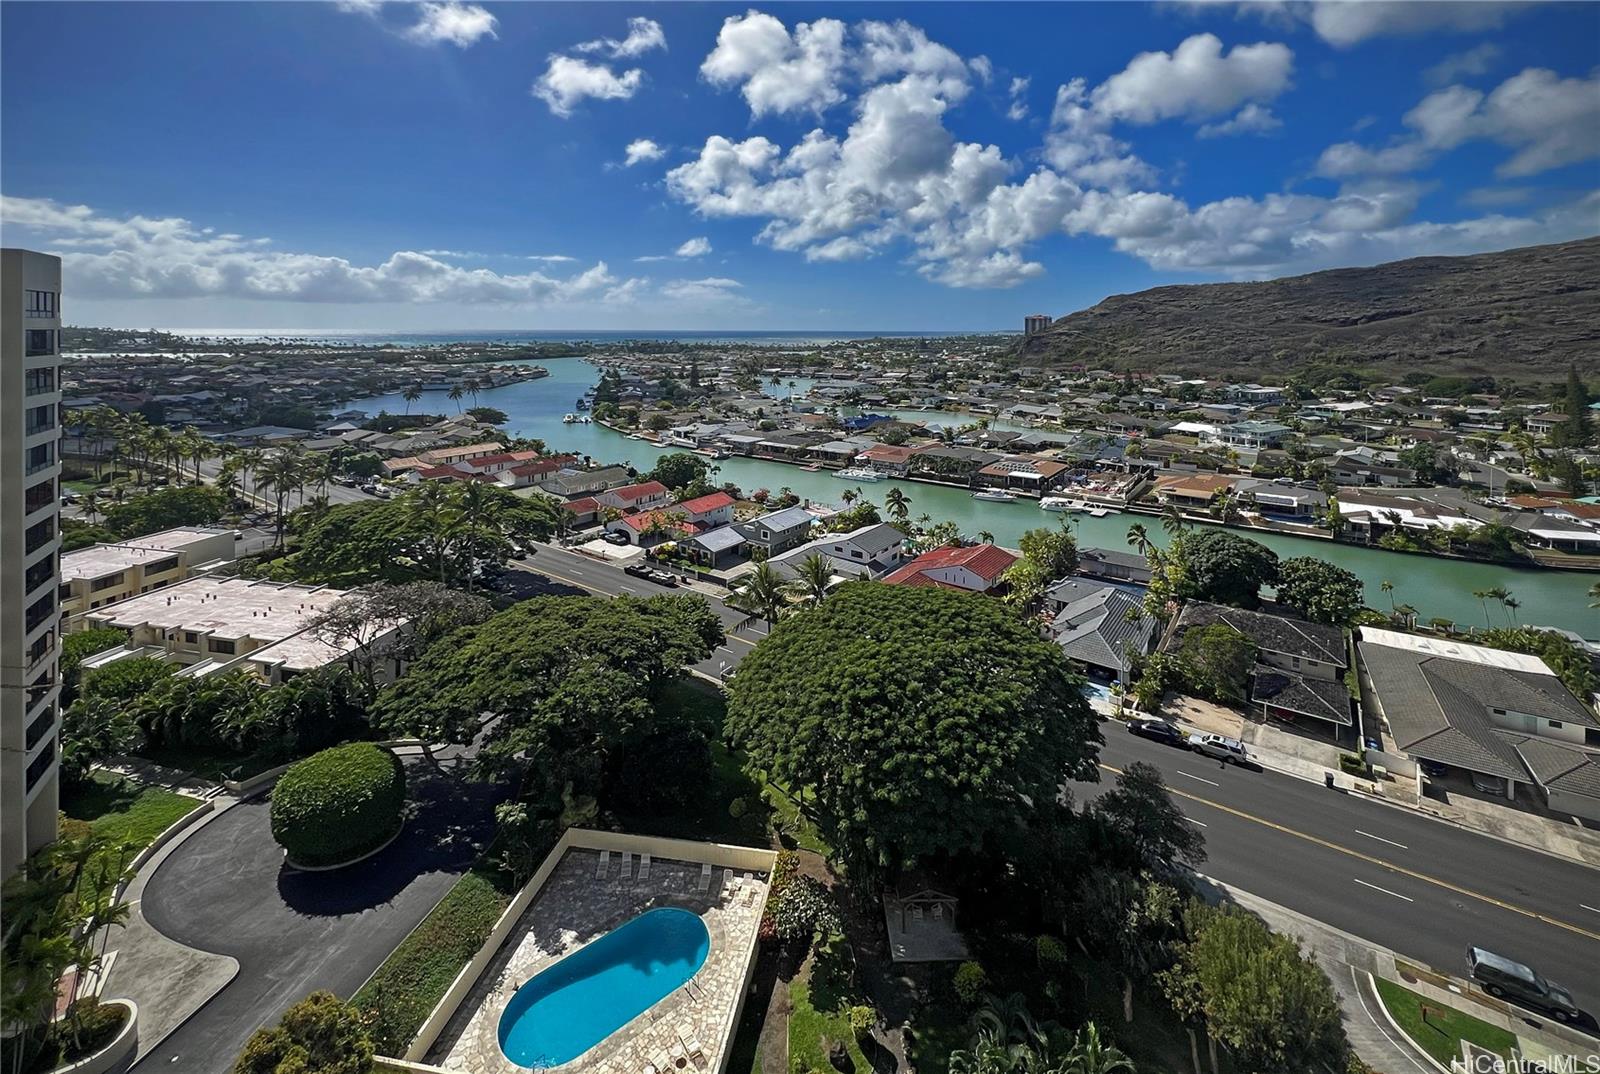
x=210 y=624
x=30 y=472
x=104 y=574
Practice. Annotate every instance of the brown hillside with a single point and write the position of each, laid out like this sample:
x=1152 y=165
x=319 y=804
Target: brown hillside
x=1526 y=313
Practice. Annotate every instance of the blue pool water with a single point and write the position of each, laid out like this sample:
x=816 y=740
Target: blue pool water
x=584 y=998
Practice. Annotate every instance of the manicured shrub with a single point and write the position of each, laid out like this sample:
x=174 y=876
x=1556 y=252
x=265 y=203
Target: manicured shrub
x=970 y=983
x=1051 y=952
x=336 y=805
x=804 y=909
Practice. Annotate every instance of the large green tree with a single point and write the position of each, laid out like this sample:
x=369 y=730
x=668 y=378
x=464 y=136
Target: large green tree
x=165 y=509
x=1319 y=590
x=679 y=470
x=1225 y=568
x=1215 y=661
x=319 y=1035
x=564 y=687
x=916 y=722
x=445 y=533
x=1256 y=993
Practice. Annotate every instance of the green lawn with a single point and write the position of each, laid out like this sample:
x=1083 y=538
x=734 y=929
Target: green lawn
x=1441 y=1031
x=125 y=811
x=213 y=765
x=820 y=998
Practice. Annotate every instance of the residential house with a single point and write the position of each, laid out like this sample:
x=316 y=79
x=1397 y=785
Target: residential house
x=1253 y=435
x=1114 y=565
x=1100 y=625
x=644 y=496
x=778 y=531
x=975 y=569
x=1281 y=500
x=1495 y=717
x=1024 y=473
x=571 y=482
x=1192 y=491
x=888 y=460
x=867 y=552
x=1300 y=665
x=644 y=528
x=717 y=548
x=709 y=511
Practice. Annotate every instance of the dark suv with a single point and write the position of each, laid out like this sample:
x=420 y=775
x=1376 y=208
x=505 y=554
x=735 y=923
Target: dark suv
x=1503 y=977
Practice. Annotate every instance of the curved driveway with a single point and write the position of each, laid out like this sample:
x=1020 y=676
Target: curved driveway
x=224 y=890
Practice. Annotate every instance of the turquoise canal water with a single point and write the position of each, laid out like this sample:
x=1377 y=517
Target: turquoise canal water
x=1434 y=586
x=583 y=999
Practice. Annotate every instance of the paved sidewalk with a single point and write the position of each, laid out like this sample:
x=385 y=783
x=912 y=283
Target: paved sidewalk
x=1348 y=961
x=156 y=775
x=167 y=980
x=1294 y=756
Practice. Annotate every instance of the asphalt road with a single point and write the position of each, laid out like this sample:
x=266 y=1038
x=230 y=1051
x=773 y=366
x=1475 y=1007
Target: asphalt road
x=225 y=890
x=1418 y=886
x=1401 y=880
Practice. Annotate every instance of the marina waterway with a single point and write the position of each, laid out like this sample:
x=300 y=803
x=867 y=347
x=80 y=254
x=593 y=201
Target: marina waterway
x=1435 y=586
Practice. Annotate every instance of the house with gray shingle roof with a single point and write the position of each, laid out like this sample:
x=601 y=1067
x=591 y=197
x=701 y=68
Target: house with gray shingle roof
x=1492 y=714
x=1100 y=625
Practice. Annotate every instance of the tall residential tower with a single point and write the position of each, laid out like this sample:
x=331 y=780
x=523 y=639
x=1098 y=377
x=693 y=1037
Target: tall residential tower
x=30 y=497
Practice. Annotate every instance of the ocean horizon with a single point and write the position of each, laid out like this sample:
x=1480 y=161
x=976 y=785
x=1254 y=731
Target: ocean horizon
x=543 y=335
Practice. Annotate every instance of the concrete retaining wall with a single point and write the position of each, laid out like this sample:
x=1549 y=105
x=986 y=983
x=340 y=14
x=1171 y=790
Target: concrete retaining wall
x=720 y=854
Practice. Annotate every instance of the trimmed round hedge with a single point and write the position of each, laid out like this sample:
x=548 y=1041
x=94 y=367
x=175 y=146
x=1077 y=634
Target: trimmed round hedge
x=338 y=805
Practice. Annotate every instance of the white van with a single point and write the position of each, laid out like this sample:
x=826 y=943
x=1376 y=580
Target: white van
x=1221 y=747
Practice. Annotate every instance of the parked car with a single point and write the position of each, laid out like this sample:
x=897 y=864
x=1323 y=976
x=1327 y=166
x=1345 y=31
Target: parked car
x=663 y=578
x=68 y=499
x=639 y=570
x=1501 y=976
x=615 y=538
x=1157 y=731
x=1221 y=747
x=1433 y=769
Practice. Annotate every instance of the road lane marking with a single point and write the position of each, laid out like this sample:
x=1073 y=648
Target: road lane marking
x=1586 y=906
x=1386 y=891
x=1369 y=859
x=1197 y=823
x=1380 y=839
x=1181 y=772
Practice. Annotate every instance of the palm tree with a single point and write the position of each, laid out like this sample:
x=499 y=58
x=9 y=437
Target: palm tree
x=282 y=474
x=1139 y=538
x=411 y=395
x=764 y=594
x=1511 y=604
x=1483 y=596
x=813 y=576
x=194 y=446
x=898 y=504
x=250 y=460
x=480 y=522
x=441 y=521
x=1091 y=1055
x=1172 y=520
x=472 y=387
x=849 y=496
x=985 y=537
x=455 y=393
x=91 y=506
x=1388 y=588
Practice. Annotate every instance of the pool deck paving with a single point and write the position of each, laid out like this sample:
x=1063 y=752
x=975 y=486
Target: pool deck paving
x=575 y=907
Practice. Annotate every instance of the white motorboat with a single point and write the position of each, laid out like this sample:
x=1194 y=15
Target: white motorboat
x=1062 y=503
x=858 y=473
x=568 y=419
x=1099 y=512
x=997 y=495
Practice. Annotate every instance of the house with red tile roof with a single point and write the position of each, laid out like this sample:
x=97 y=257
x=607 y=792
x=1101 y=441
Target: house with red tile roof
x=977 y=569
x=530 y=472
x=648 y=527
x=711 y=510
x=645 y=496
x=585 y=510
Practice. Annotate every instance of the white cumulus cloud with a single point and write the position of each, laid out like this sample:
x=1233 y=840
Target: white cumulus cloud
x=169 y=257
x=451 y=23
x=774 y=70
x=1018 y=108
x=641 y=150
x=1195 y=81
x=568 y=81
x=643 y=36
x=1251 y=119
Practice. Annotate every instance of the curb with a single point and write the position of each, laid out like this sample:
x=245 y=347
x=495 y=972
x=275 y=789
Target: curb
x=1387 y=1017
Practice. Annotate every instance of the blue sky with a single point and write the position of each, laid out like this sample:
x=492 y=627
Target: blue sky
x=808 y=166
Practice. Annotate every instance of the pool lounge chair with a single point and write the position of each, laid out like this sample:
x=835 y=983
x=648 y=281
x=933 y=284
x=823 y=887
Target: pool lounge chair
x=705 y=876
x=644 y=867
x=627 y=866
x=690 y=1041
x=603 y=864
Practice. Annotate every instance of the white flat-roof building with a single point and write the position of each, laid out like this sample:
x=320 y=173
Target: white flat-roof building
x=105 y=574
x=213 y=624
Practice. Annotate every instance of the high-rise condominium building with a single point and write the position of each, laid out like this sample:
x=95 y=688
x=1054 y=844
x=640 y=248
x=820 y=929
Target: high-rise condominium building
x=1035 y=322
x=30 y=497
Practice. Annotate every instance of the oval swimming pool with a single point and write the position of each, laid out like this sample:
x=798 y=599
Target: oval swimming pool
x=584 y=998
